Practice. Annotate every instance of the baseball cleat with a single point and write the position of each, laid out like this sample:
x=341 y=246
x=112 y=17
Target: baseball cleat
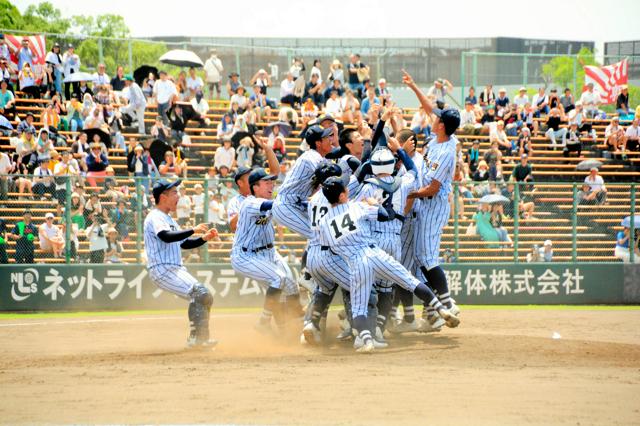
x=264 y=328
x=406 y=327
x=432 y=324
x=207 y=344
x=311 y=334
x=454 y=309
x=346 y=334
x=366 y=346
x=451 y=320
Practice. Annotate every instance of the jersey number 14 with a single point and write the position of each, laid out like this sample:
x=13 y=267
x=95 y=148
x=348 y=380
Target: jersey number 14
x=346 y=226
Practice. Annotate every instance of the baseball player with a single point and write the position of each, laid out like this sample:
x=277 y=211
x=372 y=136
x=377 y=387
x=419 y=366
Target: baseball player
x=390 y=191
x=163 y=240
x=439 y=166
x=289 y=207
x=326 y=268
x=346 y=230
x=241 y=179
x=253 y=253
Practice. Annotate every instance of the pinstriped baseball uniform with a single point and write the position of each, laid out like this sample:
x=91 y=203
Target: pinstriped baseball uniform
x=326 y=268
x=164 y=260
x=433 y=215
x=253 y=254
x=289 y=208
x=346 y=171
x=347 y=230
x=409 y=227
x=234 y=206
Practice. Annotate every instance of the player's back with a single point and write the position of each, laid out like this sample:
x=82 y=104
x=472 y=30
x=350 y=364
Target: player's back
x=398 y=199
x=297 y=182
x=159 y=252
x=254 y=228
x=345 y=229
x=318 y=207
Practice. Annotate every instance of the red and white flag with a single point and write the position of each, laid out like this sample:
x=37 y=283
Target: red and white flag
x=38 y=47
x=607 y=80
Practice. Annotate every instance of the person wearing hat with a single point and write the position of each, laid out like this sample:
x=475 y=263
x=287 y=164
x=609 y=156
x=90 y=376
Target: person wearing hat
x=113 y=252
x=54 y=61
x=194 y=83
x=233 y=84
x=253 y=254
x=66 y=168
x=164 y=240
x=50 y=236
x=289 y=209
x=502 y=101
x=70 y=65
x=213 y=70
x=241 y=179
x=382 y=91
x=336 y=72
x=439 y=91
x=547 y=251
x=521 y=99
x=43 y=182
x=574 y=144
x=24 y=233
x=597 y=189
x=436 y=178
x=140 y=166
x=590 y=100
x=97 y=163
x=615 y=138
x=165 y=92
x=26 y=123
x=624 y=242
x=136 y=102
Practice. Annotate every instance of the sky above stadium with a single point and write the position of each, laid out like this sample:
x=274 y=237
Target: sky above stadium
x=588 y=20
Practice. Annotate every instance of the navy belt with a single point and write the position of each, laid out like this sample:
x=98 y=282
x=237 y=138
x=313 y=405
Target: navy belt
x=257 y=249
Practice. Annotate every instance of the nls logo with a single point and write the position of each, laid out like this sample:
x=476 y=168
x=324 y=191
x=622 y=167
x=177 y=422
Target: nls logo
x=24 y=284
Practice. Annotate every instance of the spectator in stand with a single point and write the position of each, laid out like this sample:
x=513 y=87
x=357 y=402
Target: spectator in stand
x=80 y=149
x=160 y=130
x=622 y=101
x=439 y=91
x=316 y=70
x=381 y=91
x=4 y=49
x=5 y=74
x=240 y=100
x=118 y=82
x=297 y=68
x=493 y=157
x=201 y=107
x=358 y=73
x=547 y=251
x=25 y=54
x=97 y=236
x=522 y=99
x=66 y=168
x=590 y=100
x=100 y=78
x=567 y=101
x=473 y=156
x=261 y=103
x=336 y=72
x=534 y=255
x=525 y=207
x=484 y=227
x=523 y=171
x=335 y=86
x=213 y=73
x=286 y=90
x=4 y=259
x=245 y=151
x=71 y=65
x=225 y=128
x=172 y=167
x=43 y=182
x=165 y=92
x=614 y=136
x=468 y=124
x=50 y=237
x=120 y=218
x=97 y=162
x=198 y=203
x=262 y=80
x=573 y=142
x=540 y=102
x=596 y=185
x=6 y=168
x=308 y=111
x=314 y=90
x=333 y=105
x=136 y=102
x=277 y=143
x=113 y=252
x=623 y=243
x=194 y=84
x=351 y=108
x=554 y=100
x=141 y=166
x=95 y=120
x=499 y=136
x=7 y=101
x=487 y=97
x=471 y=97
x=27 y=80
x=369 y=101
x=502 y=101
x=632 y=136
x=554 y=130
x=579 y=116
x=24 y=233
x=233 y=84
x=488 y=119
x=181 y=87
x=74 y=113
x=511 y=120
x=225 y=156
x=217 y=213
x=183 y=208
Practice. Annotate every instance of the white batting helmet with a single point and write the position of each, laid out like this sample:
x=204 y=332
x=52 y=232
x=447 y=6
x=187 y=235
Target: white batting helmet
x=382 y=161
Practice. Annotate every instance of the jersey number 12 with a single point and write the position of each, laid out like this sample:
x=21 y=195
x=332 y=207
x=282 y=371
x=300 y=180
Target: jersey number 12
x=346 y=226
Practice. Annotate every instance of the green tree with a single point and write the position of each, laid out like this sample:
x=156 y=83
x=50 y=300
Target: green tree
x=10 y=16
x=45 y=18
x=559 y=70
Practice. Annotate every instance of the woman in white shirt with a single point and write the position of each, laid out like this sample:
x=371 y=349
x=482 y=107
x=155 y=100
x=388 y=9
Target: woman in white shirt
x=50 y=237
x=334 y=105
x=316 y=70
x=183 y=208
x=596 y=184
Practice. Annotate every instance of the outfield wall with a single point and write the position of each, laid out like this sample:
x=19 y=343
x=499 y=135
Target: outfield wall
x=114 y=287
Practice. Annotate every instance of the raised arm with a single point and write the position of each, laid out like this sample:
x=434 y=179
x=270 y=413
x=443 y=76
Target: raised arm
x=422 y=98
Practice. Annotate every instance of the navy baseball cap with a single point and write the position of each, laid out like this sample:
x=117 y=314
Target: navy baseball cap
x=260 y=174
x=450 y=117
x=241 y=172
x=162 y=185
x=324 y=171
x=332 y=188
x=316 y=133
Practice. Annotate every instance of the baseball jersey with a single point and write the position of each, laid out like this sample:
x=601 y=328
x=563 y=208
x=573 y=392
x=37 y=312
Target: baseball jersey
x=346 y=171
x=254 y=227
x=346 y=229
x=439 y=164
x=318 y=207
x=297 y=183
x=158 y=252
x=398 y=199
x=234 y=206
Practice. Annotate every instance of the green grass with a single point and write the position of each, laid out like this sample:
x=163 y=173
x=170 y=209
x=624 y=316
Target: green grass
x=26 y=315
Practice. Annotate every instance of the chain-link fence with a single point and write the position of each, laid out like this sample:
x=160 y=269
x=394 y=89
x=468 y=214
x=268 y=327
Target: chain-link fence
x=100 y=220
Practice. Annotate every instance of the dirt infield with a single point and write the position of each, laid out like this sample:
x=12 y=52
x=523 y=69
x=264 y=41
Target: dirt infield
x=499 y=367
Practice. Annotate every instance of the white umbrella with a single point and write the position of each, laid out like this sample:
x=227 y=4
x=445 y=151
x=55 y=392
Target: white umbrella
x=494 y=198
x=181 y=58
x=78 y=76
